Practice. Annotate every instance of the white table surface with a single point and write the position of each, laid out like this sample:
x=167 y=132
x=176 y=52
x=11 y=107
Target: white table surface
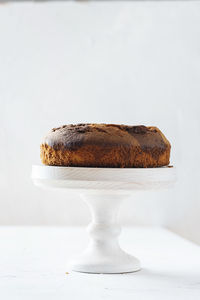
x=33 y=266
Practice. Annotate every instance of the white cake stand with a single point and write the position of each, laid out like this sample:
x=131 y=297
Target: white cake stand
x=103 y=189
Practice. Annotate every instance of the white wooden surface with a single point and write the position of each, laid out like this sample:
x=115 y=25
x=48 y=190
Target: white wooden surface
x=33 y=265
x=103 y=178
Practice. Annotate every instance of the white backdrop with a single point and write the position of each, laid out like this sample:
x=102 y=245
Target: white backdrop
x=113 y=62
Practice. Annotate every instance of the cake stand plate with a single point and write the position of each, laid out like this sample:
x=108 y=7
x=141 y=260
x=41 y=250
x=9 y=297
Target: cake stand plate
x=104 y=189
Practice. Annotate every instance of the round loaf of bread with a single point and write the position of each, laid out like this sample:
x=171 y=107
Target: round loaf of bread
x=105 y=146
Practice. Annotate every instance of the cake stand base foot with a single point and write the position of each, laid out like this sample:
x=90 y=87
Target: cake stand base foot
x=115 y=264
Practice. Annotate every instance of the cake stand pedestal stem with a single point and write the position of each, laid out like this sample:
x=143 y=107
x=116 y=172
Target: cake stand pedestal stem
x=104 y=254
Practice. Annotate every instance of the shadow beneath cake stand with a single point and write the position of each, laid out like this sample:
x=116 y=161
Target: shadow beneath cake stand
x=104 y=189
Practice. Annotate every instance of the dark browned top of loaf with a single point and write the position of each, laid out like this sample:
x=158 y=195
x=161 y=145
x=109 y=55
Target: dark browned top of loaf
x=72 y=137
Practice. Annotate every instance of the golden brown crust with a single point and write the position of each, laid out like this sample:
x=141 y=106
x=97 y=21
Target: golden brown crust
x=105 y=145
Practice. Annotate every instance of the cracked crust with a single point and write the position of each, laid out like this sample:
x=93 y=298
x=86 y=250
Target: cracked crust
x=105 y=145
